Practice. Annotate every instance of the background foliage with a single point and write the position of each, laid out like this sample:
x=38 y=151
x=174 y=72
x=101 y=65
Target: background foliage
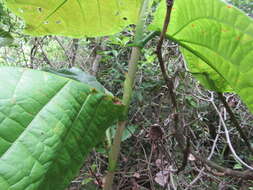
x=142 y=160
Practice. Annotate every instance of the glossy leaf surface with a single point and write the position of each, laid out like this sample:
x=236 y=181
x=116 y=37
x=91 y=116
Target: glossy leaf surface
x=48 y=124
x=75 y=18
x=216 y=39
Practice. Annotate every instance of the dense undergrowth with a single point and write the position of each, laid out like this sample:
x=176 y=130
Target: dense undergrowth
x=149 y=150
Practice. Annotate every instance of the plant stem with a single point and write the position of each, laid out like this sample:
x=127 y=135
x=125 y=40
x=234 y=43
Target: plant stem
x=235 y=122
x=150 y=36
x=170 y=84
x=127 y=95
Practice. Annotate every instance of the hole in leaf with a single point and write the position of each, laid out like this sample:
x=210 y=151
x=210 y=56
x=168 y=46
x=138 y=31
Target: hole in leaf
x=124 y=18
x=46 y=22
x=39 y=9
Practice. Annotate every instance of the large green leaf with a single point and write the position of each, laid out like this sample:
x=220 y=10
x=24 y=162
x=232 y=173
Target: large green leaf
x=48 y=124
x=216 y=39
x=75 y=18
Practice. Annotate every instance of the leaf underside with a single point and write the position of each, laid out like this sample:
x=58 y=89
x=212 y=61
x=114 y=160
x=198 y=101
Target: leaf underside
x=75 y=18
x=47 y=126
x=216 y=39
x=79 y=75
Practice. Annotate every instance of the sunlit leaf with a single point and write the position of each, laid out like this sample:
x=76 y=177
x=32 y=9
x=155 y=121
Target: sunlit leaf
x=75 y=18
x=216 y=39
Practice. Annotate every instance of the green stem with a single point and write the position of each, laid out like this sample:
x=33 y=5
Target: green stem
x=145 y=40
x=127 y=96
x=149 y=37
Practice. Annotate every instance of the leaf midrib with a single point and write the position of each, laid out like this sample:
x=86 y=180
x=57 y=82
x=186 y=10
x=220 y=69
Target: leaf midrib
x=216 y=20
x=200 y=56
x=50 y=14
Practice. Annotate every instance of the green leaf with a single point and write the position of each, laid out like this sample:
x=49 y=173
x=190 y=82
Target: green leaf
x=216 y=39
x=75 y=18
x=48 y=124
x=79 y=75
x=5 y=38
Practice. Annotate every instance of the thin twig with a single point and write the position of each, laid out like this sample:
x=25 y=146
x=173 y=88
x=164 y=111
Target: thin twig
x=228 y=139
x=168 y=81
x=208 y=158
x=234 y=120
x=44 y=53
x=246 y=174
x=33 y=51
x=170 y=84
x=74 y=52
x=148 y=160
x=65 y=51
